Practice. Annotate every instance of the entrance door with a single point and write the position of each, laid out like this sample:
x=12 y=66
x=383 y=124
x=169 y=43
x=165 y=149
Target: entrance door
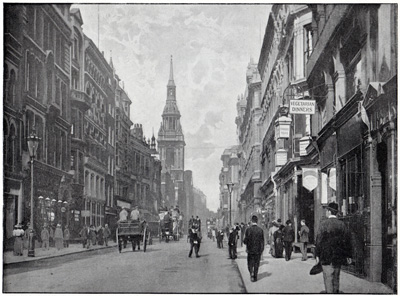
x=388 y=267
x=306 y=207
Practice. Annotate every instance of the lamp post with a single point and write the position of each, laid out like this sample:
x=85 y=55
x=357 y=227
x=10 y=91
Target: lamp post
x=230 y=189
x=33 y=143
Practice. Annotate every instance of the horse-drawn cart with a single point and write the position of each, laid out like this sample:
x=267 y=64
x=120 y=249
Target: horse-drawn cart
x=132 y=231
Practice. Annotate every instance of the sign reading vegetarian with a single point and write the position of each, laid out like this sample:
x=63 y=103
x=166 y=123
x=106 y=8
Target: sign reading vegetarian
x=302 y=107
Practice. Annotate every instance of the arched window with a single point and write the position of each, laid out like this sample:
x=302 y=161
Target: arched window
x=11 y=148
x=11 y=88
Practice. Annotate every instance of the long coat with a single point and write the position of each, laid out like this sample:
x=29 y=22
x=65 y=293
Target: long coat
x=304 y=231
x=59 y=238
x=333 y=244
x=254 y=240
x=288 y=234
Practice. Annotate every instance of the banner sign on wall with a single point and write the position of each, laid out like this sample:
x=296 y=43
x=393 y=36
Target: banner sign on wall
x=332 y=178
x=302 y=107
x=310 y=178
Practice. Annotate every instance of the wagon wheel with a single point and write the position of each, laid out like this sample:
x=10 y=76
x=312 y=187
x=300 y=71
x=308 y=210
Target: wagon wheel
x=144 y=239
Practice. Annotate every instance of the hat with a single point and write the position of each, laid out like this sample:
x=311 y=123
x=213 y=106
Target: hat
x=279 y=221
x=288 y=222
x=58 y=225
x=333 y=207
x=254 y=218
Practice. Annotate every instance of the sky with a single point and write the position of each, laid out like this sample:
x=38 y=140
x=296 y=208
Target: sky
x=211 y=47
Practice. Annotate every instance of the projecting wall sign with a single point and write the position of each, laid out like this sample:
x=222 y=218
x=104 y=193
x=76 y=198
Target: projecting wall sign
x=302 y=107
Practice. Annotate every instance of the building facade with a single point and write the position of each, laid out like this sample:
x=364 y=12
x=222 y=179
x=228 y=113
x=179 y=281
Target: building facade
x=59 y=86
x=341 y=60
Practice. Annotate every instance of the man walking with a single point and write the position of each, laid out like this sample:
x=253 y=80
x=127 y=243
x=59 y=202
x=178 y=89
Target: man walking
x=333 y=248
x=84 y=235
x=304 y=231
x=232 y=243
x=254 y=241
x=67 y=236
x=194 y=242
x=288 y=239
x=45 y=236
x=106 y=234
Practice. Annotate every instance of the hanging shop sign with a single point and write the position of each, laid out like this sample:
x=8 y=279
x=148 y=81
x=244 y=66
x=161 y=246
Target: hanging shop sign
x=332 y=178
x=302 y=107
x=310 y=178
x=303 y=143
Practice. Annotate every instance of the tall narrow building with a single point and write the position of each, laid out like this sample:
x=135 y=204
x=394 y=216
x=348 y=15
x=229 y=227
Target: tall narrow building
x=171 y=145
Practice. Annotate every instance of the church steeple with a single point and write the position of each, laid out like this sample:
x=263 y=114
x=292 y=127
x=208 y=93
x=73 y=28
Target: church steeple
x=171 y=75
x=171 y=88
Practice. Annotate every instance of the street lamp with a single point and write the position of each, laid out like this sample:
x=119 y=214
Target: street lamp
x=33 y=144
x=230 y=189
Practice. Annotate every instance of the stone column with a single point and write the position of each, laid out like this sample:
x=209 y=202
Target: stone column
x=375 y=193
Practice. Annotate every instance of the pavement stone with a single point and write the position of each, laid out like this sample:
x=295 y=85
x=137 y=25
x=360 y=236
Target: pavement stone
x=40 y=254
x=276 y=275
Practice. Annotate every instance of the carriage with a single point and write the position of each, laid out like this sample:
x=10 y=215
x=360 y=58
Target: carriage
x=132 y=231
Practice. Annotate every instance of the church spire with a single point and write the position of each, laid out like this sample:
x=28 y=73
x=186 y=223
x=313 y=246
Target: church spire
x=171 y=75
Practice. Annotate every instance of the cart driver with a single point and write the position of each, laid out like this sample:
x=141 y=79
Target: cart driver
x=123 y=215
x=135 y=214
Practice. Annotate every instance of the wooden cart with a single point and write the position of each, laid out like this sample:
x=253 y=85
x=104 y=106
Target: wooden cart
x=134 y=232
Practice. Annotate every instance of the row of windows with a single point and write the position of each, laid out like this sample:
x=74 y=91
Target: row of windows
x=94 y=185
x=96 y=213
x=44 y=32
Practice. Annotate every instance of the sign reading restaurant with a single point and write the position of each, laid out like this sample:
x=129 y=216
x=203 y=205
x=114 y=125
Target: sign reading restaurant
x=302 y=107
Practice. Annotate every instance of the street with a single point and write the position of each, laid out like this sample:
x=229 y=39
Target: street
x=164 y=268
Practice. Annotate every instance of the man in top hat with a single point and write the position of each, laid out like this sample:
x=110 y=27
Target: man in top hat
x=333 y=247
x=254 y=241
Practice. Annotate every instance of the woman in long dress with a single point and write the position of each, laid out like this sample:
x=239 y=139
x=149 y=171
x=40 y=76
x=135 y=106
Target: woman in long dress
x=18 y=233
x=278 y=242
x=59 y=237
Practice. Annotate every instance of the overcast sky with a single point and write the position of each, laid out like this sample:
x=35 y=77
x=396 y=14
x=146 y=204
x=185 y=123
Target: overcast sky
x=211 y=47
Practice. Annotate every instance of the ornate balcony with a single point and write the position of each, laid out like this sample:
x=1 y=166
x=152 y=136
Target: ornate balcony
x=80 y=100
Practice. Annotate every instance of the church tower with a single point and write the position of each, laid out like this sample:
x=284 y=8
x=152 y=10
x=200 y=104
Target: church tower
x=171 y=146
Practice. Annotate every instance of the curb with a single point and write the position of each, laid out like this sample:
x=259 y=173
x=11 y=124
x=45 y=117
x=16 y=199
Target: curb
x=33 y=261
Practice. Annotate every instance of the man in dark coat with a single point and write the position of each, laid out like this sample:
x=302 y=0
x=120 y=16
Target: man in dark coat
x=303 y=233
x=194 y=241
x=232 y=243
x=333 y=248
x=254 y=241
x=288 y=239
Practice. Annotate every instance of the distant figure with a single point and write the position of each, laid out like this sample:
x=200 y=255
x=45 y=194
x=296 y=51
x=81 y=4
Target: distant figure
x=93 y=235
x=288 y=239
x=84 y=235
x=232 y=243
x=303 y=233
x=18 y=234
x=123 y=215
x=278 y=242
x=254 y=241
x=194 y=242
x=67 y=236
x=59 y=237
x=271 y=232
x=243 y=228
x=135 y=214
x=45 y=236
x=106 y=234
x=100 y=236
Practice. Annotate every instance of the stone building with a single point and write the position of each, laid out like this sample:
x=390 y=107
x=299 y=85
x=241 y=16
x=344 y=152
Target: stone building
x=59 y=85
x=352 y=75
x=37 y=98
x=230 y=201
x=249 y=112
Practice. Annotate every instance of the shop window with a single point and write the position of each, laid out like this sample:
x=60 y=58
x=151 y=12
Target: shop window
x=351 y=199
x=308 y=45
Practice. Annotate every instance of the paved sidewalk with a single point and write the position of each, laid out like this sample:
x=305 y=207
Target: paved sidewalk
x=9 y=258
x=279 y=276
